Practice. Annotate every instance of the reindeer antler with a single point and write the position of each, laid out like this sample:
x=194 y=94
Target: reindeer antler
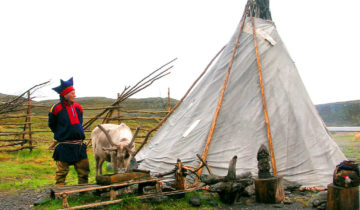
x=107 y=136
x=128 y=147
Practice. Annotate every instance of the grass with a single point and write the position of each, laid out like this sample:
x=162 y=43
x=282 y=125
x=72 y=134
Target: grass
x=23 y=170
x=349 y=144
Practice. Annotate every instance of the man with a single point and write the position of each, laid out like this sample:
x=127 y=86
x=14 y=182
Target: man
x=65 y=121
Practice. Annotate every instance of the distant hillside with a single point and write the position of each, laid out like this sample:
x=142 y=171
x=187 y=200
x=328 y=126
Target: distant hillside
x=340 y=113
x=137 y=104
x=334 y=114
x=129 y=104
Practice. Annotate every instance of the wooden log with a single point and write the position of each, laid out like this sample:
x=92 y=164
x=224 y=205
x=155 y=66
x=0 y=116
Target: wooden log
x=117 y=178
x=65 y=203
x=342 y=198
x=15 y=116
x=58 y=191
x=17 y=149
x=103 y=203
x=16 y=123
x=231 y=175
x=270 y=190
x=230 y=190
x=13 y=144
x=180 y=176
x=14 y=133
x=141 y=170
x=213 y=179
x=39 y=140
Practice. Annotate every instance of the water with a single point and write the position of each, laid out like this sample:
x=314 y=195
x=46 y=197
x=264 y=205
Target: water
x=344 y=129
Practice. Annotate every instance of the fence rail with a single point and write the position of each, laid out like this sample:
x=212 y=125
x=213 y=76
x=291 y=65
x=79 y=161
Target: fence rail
x=24 y=138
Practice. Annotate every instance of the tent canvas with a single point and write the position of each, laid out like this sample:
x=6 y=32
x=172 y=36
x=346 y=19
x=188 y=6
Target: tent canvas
x=303 y=149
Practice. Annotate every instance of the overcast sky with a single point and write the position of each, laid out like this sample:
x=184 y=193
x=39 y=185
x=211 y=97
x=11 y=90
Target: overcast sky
x=106 y=45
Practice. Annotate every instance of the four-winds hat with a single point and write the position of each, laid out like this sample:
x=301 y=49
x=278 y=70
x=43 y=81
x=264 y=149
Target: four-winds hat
x=64 y=87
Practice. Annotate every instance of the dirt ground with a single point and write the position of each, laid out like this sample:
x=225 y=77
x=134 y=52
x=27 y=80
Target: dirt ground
x=23 y=199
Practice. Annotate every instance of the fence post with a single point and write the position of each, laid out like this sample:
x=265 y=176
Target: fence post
x=169 y=107
x=118 y=111
x=28 y=117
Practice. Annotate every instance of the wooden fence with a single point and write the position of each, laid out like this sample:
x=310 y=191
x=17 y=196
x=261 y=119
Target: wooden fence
x=15 y=135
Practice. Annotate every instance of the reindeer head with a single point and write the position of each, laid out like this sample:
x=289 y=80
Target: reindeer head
x=120 y=151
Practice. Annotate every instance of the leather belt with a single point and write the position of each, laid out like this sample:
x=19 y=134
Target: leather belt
x=71 y=142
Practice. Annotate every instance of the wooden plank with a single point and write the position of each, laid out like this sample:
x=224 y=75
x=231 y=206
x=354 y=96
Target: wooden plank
x=176 y=192
x=58 y=191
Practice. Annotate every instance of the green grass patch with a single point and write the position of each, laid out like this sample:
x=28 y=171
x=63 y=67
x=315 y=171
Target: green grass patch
x=348 y=144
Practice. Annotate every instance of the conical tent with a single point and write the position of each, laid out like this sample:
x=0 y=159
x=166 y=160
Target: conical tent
x=303 y=150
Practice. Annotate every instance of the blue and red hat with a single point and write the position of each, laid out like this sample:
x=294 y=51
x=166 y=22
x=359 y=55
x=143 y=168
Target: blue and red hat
x=65 y=87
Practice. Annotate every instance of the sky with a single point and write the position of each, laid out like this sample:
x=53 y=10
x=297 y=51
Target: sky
x=107 y=45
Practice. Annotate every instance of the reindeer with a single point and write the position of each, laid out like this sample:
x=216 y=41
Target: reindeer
x=115 y=144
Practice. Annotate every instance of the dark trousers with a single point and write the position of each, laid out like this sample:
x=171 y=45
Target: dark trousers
x=82 y=168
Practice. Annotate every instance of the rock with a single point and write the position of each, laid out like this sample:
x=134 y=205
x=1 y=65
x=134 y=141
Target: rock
x=249 y=202
x=250 y=190
x=39 y=201
x=322 y=206
x=315 y=202
x=291 y=186
x=109 y=167
x=319 y=199
x=288 y=201
x=195 y=201
x=133 y=163
x=213 y=203
x=203 y=198
x=159 y=199
x=278 y=206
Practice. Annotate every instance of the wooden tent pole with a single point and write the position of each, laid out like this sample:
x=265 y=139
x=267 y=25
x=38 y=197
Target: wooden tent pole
x=263 y=95
x=213 y=124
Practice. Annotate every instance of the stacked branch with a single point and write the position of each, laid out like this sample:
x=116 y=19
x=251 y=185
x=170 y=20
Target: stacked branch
x=130 y=91
x=16 y=103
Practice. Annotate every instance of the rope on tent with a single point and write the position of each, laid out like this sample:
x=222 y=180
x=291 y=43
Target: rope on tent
x=263 y=94
x=212 y=129
x=178 y=104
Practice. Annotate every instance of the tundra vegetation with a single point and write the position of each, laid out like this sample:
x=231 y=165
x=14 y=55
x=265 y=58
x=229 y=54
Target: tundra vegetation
x=36 y=170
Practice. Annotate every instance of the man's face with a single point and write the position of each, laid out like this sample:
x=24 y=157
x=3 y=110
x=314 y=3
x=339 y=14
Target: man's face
x=70 y=96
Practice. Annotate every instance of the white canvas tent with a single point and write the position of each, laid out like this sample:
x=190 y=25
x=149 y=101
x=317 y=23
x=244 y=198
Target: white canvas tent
x=303 y=150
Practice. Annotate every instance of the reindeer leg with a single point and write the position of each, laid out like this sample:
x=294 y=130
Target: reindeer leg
x=114 y=164
x=100 y=165
x=97 y=164
x=127 y=164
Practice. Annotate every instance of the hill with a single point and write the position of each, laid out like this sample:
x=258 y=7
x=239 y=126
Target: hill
x=340 y=113
x=334 y=114
x=131 y=103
